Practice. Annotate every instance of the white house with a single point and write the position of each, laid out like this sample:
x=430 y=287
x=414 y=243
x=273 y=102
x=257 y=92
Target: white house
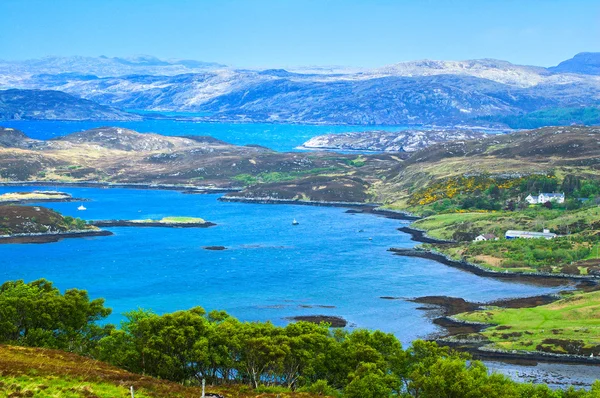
x=484 y=237
x=532 y=200
x=546 y=197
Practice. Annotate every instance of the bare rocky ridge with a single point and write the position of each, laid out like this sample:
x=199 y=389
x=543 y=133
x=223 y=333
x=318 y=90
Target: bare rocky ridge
x=116 y=155
x=127 y=140
x=385 y=141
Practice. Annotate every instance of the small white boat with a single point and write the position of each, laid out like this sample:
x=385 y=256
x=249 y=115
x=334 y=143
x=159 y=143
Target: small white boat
x=295 y=222
x=82 y=207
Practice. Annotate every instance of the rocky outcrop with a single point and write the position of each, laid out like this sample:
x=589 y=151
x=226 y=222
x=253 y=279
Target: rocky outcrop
x=143 y=223
x=215 y=248
x=334 y=321
x=36 y=224
x=127 y=140
x=45 y=237
x=386 y=141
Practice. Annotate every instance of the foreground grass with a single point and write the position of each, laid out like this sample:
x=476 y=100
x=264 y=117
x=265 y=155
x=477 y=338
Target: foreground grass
x=36 y=372
x=51 y=387
x=570 y=325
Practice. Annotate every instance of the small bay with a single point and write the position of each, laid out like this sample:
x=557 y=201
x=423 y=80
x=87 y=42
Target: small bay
x=271 y=269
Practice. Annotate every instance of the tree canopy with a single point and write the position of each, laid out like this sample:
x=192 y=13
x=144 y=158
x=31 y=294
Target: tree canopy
x=188 y=346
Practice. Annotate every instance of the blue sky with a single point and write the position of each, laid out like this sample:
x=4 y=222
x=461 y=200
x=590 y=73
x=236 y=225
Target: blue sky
x=279 y=33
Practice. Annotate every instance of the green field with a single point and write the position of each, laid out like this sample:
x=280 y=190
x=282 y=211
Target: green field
x=535 y=218
x=182 y=220
x=570 y=325
x=443 y=226
x=281 y=176
x=173 y=220
x=64 y=387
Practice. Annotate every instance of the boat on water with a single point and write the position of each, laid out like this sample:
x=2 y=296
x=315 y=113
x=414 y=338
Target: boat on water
x=295 y=222
x=82 y=207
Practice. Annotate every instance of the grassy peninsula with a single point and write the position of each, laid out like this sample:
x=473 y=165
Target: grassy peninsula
x=570 y=325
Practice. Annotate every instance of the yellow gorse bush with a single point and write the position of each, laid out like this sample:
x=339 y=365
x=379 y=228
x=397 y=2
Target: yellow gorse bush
x=448 y=188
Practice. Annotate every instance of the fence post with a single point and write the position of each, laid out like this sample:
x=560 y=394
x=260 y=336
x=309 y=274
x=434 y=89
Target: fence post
x=203 y=385
x=131 y=390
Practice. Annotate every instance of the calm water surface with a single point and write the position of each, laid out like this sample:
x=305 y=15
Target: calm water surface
x=271 y=270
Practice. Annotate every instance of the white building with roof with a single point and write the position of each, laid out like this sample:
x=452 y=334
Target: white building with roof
x=546 y=197
x=514 y=234
x=485 y=237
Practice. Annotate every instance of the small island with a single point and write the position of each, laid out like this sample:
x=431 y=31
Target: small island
x=169 y=222
x=36 y=224
x=37 y=196
x=333 y=321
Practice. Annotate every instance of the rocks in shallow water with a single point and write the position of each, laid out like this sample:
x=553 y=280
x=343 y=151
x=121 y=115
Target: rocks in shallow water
x=334 y=321
x=313 y=306
x=214 y=248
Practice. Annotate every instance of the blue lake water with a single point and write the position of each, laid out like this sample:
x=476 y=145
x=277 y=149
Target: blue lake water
x=271 y=270
x=280 y=137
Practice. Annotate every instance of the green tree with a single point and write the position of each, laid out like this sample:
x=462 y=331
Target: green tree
x=37 y=314
x=368 y=382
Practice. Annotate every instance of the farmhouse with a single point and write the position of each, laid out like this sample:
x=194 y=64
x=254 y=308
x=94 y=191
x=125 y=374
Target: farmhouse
x=546 y=197
x=484 y=237
x=513 y=234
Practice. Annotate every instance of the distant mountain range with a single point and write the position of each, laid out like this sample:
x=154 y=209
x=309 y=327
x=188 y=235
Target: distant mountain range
x=472 y=92
x=48 y=104
x=584 y=63
x=103 y=66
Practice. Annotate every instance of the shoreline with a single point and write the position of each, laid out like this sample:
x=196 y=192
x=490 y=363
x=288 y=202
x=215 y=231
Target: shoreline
x=27 y=201
x=518 y=357
x=133 y=223
x=184 y=188
x=354 y=207
x=419 y=235
x=272 y=201
x=50 y=237
x=481 y=271
x=220 y=120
